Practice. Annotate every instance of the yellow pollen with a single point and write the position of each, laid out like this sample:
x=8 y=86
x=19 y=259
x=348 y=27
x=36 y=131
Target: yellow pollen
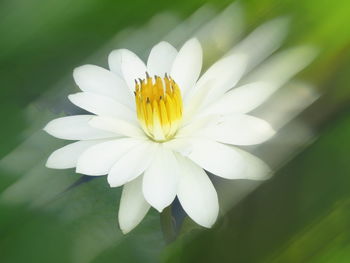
x=158 y=106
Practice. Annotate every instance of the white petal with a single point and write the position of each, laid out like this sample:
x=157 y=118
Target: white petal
x=160 y=179
x=187 y=65
x=101 y=105
x=101 y=81
x=239 y=129
x=197 y=194
x=195 y=100
x=118 y=126
x=132 y=67
x=228 y=161
x=243 y=99
x=217 y=158
x=161 y=59
x=115 y=62
x=67 y=156
x=132 y=164
x=133 y=206
x=76 y=128
x=180 y=145
x=196 y=125
x=224 y=75
x=99 y=159
x=255 y=168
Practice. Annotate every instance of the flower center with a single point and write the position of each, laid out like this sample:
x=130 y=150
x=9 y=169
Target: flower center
x=159 y=106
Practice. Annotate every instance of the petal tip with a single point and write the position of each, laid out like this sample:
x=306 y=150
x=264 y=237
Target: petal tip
x=49 y=164
x=207 y=225
x=71 y=97
x=159 y=207
x=194 y=41
x=125 y=229
x=111 y=55
x=47 y=128
x=113 y=184
x=79 y=170
x=79 y=69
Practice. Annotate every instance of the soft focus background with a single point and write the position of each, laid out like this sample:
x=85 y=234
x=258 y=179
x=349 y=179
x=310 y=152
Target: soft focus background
x=302 y=214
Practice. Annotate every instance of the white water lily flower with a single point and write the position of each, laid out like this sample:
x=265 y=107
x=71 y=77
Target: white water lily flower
x=155 y=128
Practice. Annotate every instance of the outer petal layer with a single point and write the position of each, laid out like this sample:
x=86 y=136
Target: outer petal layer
x=239 y=129
x=227 y=161
x=255 y=168
x=115 y=61
x=161 y=179
x=101 y=105
x=117 y=126
x=217 y=158
x=91 y=78
x=76 y=128
x=197 y=194
x=67 y=156
x=132 y=164
x=242 y=99
x=99 y=159
x=133 y=207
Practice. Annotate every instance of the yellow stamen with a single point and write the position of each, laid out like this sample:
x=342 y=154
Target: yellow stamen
x=158 y=106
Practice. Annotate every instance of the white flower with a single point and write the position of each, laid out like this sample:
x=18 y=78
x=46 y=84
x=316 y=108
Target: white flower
x=154 y=129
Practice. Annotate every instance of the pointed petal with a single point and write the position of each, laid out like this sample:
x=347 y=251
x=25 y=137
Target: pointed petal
x=187 y=65
x=243 y=99
x=255 y=168
x=132 y=67
x=133 y=206
x=239 y=129
x=115 y=62
x=101 y=81
x=161 y=59
x=76 y=128
x=217 y=158
x=132 y=164
x=67 y=156
x=118 y=126
x=160 y=179
x=101 y=105
x=224 y=74
x=227 y=161
x=99 y=159
x=197 y=194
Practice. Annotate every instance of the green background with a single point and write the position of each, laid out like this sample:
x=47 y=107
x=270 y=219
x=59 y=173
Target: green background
x=301 y=215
